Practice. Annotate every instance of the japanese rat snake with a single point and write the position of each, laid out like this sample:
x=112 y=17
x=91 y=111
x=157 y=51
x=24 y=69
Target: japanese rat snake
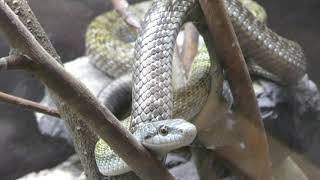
x=110 y=42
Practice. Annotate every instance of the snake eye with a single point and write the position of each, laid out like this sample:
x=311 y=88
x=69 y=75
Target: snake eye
x=163 y=130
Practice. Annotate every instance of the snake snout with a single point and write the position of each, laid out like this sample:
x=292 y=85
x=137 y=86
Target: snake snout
x=171 y=134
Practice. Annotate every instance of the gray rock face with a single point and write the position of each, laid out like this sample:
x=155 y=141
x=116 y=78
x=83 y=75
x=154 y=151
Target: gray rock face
x=70 y=169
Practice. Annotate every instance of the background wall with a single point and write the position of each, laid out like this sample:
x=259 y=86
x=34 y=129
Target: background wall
x=65 y=22
x=298 y=21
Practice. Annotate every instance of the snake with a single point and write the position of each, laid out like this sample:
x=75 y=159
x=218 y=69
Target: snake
x=111 y=44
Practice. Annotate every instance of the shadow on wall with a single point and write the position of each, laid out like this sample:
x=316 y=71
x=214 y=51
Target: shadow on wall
x=65 y=22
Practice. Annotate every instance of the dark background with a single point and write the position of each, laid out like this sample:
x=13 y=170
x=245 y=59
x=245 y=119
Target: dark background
x=22 y=148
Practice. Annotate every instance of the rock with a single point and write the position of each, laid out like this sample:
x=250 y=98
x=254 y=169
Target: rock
x=70 y=169
x=178 y=157
x=185 y=171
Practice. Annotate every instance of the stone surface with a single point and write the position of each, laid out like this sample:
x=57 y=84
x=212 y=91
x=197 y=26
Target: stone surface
x=71 y=170
x=68 y=170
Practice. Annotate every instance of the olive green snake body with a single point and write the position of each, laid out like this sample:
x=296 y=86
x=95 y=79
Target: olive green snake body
x=110 y=46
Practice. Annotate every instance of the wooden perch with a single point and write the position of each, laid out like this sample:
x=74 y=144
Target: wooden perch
x=229 y=52
x=78 y=97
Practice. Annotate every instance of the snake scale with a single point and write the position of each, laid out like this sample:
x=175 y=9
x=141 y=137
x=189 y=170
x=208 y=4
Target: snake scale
x=152 y=102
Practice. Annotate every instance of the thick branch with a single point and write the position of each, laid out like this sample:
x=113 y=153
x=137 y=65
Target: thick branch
x=28 y=104
x=25 y=14
x=228 y=50
x=234 y=157
x=81 y=100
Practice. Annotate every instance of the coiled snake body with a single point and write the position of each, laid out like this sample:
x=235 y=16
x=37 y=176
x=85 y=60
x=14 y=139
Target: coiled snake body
x=151 y=119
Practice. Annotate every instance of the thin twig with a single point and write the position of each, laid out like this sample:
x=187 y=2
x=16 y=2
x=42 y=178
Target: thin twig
x=27 y=104
x=74 y=93
x=14 y=62
x=121 y=6
x=228 y=50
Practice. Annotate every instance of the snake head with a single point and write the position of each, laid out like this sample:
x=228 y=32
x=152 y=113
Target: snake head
x=164 y=136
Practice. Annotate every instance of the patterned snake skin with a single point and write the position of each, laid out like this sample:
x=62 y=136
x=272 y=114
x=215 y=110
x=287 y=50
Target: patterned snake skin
x=179 y=132
x=153 y=104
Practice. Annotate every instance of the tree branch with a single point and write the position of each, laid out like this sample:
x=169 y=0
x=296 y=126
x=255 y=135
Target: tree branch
x=14 y=62
x=121 y=6
x=83 y=137
x=80 y=100
x=28 y=104
x=229 y=52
